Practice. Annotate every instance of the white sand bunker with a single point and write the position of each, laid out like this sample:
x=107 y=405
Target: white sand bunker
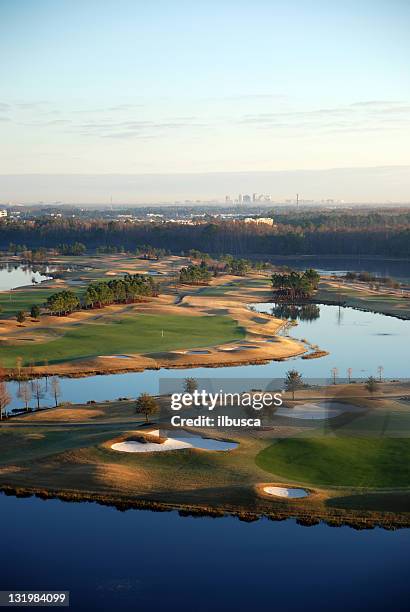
x=115 y=357
x=316 y=411
x=132 y=446
x=286 y=492
x=176 y=442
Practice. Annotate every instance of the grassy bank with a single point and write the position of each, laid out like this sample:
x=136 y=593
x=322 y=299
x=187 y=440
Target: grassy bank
x=392 y=305
x=345 y=462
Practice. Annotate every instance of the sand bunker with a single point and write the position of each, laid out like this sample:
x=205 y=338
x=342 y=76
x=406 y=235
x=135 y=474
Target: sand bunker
x=176 y=442
x=198 y=352
x=115 y=357
x=286 y=492
x=316 y=411
x=149 y=447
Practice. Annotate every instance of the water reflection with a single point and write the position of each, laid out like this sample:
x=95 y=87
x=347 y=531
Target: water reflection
x=296 y=312
x=19 y=275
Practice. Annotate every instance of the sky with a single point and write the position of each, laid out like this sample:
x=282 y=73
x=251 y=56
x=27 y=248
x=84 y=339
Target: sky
x=181 y=89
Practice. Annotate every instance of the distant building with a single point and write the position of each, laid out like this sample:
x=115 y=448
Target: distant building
x=240 y=199
x=259 y=220
x=3 y=212
x=246 y=199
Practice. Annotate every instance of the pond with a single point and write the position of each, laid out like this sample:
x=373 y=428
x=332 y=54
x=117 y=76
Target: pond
x=13 y=276
x=141 y=560
x=359 y=340
x=395 y=268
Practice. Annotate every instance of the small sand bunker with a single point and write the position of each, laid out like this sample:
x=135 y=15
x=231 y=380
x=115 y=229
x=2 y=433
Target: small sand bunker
x=286 y=492
x=198 y=352
x=178 y=441
x=245 y=347
x=133 y=446
x=115 y=357
x=316 y=411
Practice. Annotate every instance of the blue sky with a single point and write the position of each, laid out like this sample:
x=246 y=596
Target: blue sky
x=208 y=86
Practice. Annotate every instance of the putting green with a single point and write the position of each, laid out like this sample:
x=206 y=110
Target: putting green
x=356 y=462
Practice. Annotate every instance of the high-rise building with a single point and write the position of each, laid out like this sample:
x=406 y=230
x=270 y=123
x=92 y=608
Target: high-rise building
x=246 y=199
x=240 y=199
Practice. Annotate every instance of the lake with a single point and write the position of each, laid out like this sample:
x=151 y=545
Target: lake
x=142 y=560
x=358 y=340
x=395 y=268
x=13 y=276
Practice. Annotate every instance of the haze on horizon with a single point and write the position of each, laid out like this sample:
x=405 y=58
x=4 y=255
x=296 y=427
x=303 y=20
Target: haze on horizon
x=175 y=100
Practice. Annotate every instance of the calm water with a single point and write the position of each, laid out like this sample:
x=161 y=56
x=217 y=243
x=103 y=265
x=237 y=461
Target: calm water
x=399 y=269
x=12 y=276
x=358 y=340
x=140 y=560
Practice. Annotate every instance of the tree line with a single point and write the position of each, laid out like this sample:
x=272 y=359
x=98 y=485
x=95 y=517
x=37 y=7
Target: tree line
x=131 y=288
x=294 y=286
x=381 y=234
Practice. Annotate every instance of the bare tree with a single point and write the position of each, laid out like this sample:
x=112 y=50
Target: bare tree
x=349 y=375
x=38 y=391
x=335 y=373
x=55 y=389
x=46 y=372
x=380 y=370
x=25 y=394
x=19 y=363
x=5 y=398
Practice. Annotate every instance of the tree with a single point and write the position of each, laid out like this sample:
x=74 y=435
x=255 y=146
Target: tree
x=19 y=363
x=25 y=394
x=20 y=317
x=293 y=382
x=35 y=311
x=380 y=371
x=146 y=404
x=5 y=398
x=335 y=373
x=371 y=384
x=55 y=389
x=349 y=374
x=38 y=391
x=190 y=385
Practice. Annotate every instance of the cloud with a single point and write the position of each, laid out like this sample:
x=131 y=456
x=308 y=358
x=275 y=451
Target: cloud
x=369 y=115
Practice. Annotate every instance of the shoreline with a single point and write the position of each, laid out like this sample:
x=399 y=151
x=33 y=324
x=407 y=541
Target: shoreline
x=284 y=509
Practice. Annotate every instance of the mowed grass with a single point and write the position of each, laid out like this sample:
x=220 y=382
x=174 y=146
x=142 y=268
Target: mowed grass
x=329 y=461
x=135 y=334
x=13 y=301
x=23 y=299
x=385 y=304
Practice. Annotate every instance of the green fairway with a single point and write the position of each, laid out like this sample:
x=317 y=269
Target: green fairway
x=134 y=334
x=356 y=462
x=23 y=299
x=13 y=301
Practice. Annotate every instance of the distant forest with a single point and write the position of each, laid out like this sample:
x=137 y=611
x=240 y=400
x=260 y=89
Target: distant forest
x=381 y=233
